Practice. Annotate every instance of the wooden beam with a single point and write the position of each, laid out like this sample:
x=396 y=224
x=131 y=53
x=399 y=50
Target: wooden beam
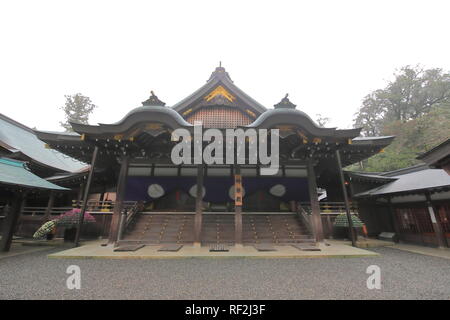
x=10 y=222
x=22 y=207
x=81 y=192
x=85 y=197
x=198 y=206
x=50 y=202
x=314 y=199
x=120 y=196
x=330 y=227
x=351 y=230
x=393 y=218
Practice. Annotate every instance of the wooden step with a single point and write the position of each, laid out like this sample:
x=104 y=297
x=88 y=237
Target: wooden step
x=218 y=229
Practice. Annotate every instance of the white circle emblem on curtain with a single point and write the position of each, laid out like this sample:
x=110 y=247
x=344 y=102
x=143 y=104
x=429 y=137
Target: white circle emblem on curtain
x=193 y=191
x=278 y=190
x=231 y=192
x=155 y=191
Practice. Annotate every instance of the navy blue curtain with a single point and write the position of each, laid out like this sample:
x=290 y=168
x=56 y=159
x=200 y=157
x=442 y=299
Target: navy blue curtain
x=217 y=188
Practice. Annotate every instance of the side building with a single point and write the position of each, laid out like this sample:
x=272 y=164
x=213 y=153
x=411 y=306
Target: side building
x=20 y=147
x=413 y=203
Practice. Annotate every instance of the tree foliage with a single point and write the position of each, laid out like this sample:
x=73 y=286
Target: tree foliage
x=411 y=139
x=77 y=108
x=370 y=115
x=412 y=94
x=321 y=120
x=415 y=108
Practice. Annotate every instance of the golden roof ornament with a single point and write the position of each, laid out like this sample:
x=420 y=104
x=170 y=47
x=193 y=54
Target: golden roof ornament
x=285 y=103
x=220 y=72
x=153 y=101
x=220 y=91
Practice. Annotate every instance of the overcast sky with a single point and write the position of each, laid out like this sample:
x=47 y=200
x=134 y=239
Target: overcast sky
x=326 y=54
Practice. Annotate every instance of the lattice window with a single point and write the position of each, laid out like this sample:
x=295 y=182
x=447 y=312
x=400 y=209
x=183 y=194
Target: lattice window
x=414 y=220
x=424 y=220
x=220 y=118
x=444 y=217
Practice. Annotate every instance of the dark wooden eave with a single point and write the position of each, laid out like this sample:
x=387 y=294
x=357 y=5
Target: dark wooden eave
x=362 y=148
x=367 y=177
x=157 y=146
x=102 y=177
x=71 y=145
x=438 y=156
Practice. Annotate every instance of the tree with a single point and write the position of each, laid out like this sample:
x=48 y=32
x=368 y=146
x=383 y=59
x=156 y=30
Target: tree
x=411 y=139
x=413 y=93
x=370 y=115
x=321 y=120
x=415 y=108
x=77 y=108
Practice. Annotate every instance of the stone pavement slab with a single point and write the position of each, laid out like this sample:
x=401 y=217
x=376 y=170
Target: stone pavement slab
x=96 y=251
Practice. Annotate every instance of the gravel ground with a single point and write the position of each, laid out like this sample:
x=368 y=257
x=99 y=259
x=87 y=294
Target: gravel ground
x=404 y=276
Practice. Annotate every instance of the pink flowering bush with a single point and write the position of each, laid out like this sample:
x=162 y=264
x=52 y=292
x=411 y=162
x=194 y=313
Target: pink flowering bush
x=71 y=218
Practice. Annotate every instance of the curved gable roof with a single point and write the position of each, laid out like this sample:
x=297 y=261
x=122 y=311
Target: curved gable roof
x=160 y=114
x=284 y=116
x=218 y=77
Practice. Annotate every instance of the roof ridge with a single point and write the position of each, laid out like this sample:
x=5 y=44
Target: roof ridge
x=401 y=171
x=12 y=162
x=16 y=123
x=436 y=147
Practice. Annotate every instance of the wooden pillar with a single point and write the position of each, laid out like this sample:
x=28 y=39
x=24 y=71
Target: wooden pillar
x=238 y=206
x=122 y=223
x=437 y=227
x=199 y=206
x=120 y=196
x=293 y=205
x=80 y=193
x=314 y=199
x=10 y=222
x=48 y=210
x=330 y=227
x=393 y=218
x=351 y=230
x=85 y=196
x=21 y=210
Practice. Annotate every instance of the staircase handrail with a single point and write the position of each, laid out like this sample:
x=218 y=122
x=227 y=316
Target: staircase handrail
x=135 y=208
x=305 y=217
